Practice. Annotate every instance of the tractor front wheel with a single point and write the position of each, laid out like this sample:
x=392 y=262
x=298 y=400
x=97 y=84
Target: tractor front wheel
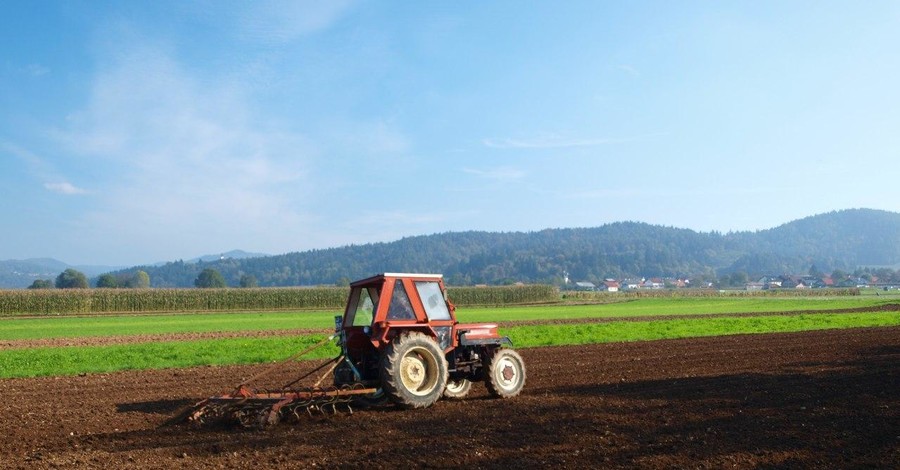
x=413 y=370
x=457 y=389
x=505 y=373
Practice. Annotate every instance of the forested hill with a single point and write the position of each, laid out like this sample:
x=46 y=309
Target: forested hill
x=837 y=240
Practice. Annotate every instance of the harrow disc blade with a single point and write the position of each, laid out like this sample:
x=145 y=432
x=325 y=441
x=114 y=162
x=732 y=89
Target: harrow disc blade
x=259 y=409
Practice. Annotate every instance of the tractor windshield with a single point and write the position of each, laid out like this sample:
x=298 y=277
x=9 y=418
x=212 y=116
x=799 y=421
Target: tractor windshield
x=362 y=306
x=433 y=300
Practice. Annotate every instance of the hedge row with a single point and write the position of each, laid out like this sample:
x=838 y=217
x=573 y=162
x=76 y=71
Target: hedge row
x=92 y=301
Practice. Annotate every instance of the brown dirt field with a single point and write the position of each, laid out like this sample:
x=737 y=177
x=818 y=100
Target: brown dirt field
x=826 y=399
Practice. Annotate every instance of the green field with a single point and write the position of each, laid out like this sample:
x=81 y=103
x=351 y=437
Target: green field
x=129 y=325
x=44 y=361
x=126 y=325
x=665 y=306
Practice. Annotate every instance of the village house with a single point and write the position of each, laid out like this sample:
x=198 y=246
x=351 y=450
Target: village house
x=585 y=286
x=610 y=285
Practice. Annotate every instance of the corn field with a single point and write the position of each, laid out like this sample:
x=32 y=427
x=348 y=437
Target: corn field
x=503 y=295
x=62 y=301
x=98 y=301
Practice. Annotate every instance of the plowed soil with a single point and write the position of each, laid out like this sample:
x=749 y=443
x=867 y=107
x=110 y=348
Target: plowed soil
x=828 y=399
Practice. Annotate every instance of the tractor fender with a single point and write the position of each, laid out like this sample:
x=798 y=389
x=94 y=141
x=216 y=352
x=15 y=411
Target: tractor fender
x=386 y=334
x=480 y=334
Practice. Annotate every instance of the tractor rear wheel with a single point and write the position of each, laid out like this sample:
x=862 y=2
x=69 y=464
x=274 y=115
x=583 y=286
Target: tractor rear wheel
x=413 y=370
x=457 y=389
x=505 y=373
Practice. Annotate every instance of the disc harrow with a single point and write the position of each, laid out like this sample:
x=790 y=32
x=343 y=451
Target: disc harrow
x=260 y=408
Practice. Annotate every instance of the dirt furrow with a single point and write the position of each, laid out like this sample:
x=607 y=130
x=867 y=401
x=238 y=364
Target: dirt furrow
x=799 y=400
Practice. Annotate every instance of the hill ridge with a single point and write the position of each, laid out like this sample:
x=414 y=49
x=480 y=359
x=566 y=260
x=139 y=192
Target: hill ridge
x=842 y=239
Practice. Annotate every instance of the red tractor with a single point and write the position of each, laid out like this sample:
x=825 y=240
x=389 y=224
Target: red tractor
x=399 y=334
x=400 y=342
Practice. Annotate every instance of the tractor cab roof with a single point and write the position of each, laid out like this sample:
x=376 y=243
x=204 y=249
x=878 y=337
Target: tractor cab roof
x=381 y=277
x=398 y=298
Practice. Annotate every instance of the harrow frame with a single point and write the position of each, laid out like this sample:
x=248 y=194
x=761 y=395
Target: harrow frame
x=258 y=409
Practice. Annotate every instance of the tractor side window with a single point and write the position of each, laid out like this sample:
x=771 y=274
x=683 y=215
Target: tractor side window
x=365 y=306
x=400 y=308
x=433 y=300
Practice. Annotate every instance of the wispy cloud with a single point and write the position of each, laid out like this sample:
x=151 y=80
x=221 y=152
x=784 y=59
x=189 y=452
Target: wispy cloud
x=281 y=21
x=42 y=170
x=629 y=69
x=545 y=143
x=502 y=173
x=65 y=188
x=663 y=193
x=186 y=158
x=35 y=164
x=32 y=69
x=556 y=141
x=376 y=137
x=36 y=70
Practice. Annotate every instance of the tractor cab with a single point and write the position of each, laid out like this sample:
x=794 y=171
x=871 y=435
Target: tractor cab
x=382 y=306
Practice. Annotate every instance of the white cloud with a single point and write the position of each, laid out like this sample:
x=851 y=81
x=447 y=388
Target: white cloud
x=664 y=193
x=36 y=70
x=32 y=70
x=545 y=143
x=188 y=162
x=630 y=70
x=42 y=170
x=281 y=21
x=35 y=163
x=552 y=141
x=502 y=173
x=64 y=188
x=378 y=137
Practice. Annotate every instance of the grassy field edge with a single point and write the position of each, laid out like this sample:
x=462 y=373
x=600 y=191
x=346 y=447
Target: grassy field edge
x=61 y=361
x=125 y=325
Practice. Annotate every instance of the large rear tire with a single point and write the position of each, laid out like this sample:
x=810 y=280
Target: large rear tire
x=505 y=373
x=413 y=370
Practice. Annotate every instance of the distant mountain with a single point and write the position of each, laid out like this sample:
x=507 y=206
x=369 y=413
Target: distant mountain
x=837 y=240
x=17 y=274
x=21 y=273
x=236 y=254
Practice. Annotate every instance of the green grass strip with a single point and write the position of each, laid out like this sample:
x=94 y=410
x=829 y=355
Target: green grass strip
x=129 y=325
x=671 y=307
x=587 y=333
x=97 y=359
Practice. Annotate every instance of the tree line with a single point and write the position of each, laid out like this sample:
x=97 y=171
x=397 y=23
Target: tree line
x=74 y=279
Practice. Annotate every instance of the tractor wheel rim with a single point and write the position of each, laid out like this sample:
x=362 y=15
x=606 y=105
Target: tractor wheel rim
x=507 y=373
x=418 y=372
x=456 y=386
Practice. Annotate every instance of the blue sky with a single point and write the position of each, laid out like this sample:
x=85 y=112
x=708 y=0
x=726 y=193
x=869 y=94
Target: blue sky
x=135 y=132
